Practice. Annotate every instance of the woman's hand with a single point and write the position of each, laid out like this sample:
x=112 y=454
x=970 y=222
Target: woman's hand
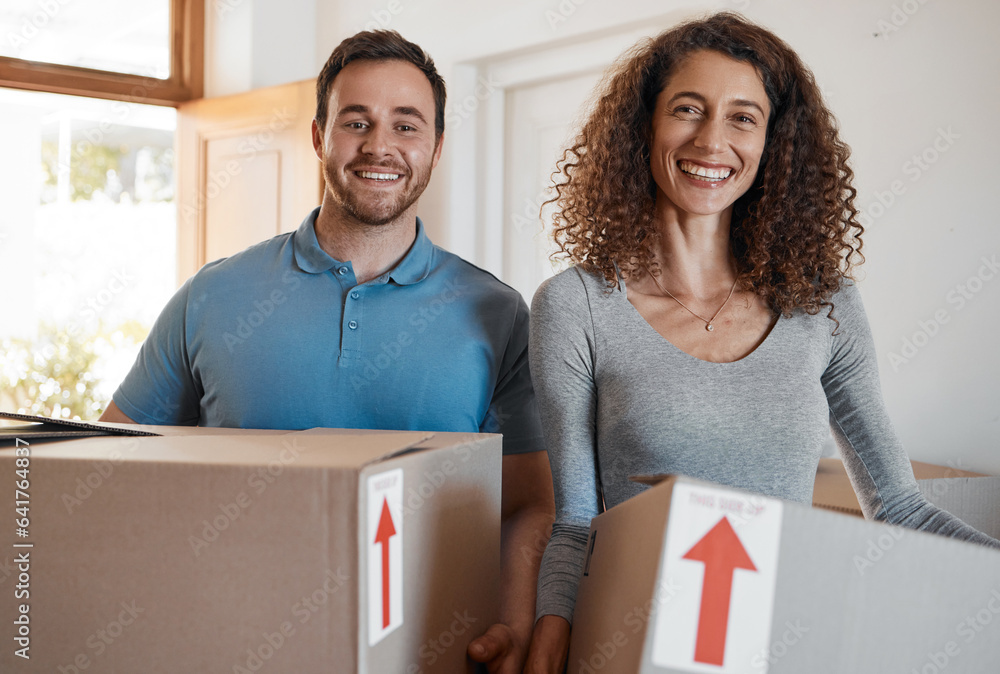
x=549 y=646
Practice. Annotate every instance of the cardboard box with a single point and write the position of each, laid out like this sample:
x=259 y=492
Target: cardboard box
x=833 y=491
x=222 y=551
x=693 y=577
x=975 y=500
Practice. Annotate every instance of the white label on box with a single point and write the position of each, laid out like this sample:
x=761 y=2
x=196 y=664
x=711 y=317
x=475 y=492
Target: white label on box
x=385 y=554
x=721 y=555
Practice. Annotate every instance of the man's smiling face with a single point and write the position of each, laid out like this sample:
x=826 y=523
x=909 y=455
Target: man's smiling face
x=379 y=144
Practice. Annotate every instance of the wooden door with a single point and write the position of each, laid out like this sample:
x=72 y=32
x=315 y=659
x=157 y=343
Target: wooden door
x=246 y=171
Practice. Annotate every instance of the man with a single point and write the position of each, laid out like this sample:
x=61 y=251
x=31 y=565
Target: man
x=356 y=320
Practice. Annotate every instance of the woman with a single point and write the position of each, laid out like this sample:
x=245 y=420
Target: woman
x=709 y=326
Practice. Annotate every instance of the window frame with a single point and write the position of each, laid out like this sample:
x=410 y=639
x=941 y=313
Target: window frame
x=187 y=68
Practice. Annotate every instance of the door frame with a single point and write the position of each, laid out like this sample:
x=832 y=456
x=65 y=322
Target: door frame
x=476 y=122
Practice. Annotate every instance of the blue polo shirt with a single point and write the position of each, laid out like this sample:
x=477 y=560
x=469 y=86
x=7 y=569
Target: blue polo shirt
x=281 y=335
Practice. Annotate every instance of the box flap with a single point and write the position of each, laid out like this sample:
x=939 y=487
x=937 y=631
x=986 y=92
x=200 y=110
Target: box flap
x=375 y=445
x=29 y=427
x=180 y=431
x=833 y=490
x=331 y=449
x=930 y=471
x=651 y=480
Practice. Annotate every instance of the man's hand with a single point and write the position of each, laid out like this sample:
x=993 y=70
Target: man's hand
x=498 y=650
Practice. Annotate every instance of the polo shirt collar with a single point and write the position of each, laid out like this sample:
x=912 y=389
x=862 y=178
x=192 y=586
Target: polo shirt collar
x=308 y=255
x=416 y=264
x=413 y=268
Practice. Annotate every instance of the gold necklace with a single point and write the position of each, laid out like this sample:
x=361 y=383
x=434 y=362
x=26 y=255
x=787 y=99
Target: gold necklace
x=708 y=321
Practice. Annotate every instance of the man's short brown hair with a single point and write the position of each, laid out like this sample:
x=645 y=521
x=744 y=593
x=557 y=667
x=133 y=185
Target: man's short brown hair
x=379 y=45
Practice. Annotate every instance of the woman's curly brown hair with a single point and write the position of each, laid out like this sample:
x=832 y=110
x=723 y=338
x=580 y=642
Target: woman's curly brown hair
x=794 y=233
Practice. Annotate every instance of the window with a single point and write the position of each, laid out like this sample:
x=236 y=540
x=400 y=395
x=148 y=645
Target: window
x=146 y=51
x=87 y=245
x=88 y=232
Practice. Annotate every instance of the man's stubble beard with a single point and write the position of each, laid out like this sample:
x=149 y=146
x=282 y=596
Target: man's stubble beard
x=375 y=212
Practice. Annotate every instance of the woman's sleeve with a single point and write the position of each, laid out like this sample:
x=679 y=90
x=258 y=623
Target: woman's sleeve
x=872 y=452
x=562 y=355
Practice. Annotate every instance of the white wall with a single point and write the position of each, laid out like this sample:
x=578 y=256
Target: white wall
x=258 y=43
x=905 y=77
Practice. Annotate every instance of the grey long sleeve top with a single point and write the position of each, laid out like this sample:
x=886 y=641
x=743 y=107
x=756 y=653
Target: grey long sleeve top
x=617 y=399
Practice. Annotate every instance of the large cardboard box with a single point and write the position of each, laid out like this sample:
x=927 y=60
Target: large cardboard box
x=222 y=552
x=692 y=577
x=833 y=491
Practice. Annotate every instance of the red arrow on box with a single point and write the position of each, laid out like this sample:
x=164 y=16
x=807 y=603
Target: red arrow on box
x=722 y=552
x=386 y=530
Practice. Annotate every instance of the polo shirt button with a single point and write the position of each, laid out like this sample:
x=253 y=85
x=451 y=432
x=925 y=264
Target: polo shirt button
x=353 y=325
x=342 y=271
x=355 y=294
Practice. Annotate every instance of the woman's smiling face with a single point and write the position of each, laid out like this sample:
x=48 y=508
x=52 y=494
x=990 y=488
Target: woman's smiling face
x=708 y=133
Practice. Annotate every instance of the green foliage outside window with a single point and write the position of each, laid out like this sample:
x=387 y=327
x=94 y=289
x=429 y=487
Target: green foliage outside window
x=52 y=376
x=144 y=173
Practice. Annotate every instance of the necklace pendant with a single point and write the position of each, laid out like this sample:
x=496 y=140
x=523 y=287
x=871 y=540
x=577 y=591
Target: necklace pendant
x=709 y=327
